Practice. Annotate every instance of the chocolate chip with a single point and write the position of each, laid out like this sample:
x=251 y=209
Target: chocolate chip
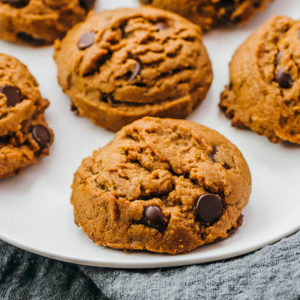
x=13 y=95
x=162 y=26
x=41 y=134
x=284 y=79
x=29 y=39
x=226 y=166
x=153 y=217
x=16 y=3
x=136 y=72
x=87 y=4
x=257 y=4
x=86 y=41
x=229 y=10
x=212 y=154
x=209 y=207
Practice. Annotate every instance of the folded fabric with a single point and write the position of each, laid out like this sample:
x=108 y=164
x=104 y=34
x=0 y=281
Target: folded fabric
x=270 y=273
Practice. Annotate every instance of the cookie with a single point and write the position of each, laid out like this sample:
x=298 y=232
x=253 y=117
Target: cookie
x=162 y=185
x=24 y=134
x=37 y=22
x=212 y=13
x=129 y=63
x=264 y=90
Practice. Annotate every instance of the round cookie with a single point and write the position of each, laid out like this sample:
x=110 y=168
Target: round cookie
x=129 y=63
x=24 y=133
x=162 y=185
x=40 y=22
x=212 y=13
x=264 y=89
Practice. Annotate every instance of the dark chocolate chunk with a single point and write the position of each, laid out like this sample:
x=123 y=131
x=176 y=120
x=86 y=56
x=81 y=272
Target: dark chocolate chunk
x=284 y=79
x=13 y=95
x=209 y=207
x=16 y=3
x=29 y=39
x=162 y=26
x=136 y=72
x=257 y=4
x=87 y=4
x=212 y=154
x=153 y=217
x=226 y=166
x=41 y=134
x=86 y=41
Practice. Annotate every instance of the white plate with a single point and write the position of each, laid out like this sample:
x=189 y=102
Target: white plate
x=35 y=213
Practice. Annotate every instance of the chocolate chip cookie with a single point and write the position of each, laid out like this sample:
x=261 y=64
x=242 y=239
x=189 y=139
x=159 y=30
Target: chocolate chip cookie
x=264 y=89
x=24 y=133
x=162 y=185
x=39 y=22
x=129 y=63
x=212 y=13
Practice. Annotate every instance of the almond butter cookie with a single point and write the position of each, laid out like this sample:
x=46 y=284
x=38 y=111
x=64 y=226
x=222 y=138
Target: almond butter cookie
x=264 y=90
x=162 y=185
x=129 y=63
x=40 y=22
x=212 y=13
x=24 y=134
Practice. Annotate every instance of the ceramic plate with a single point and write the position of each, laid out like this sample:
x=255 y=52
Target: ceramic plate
x=35 y=213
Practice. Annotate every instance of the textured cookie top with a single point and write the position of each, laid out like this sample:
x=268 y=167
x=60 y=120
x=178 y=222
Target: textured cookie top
x=175 y=176
x=19 y=95
x=24 y=133
x=264 y=93
x=133 y=57
x=37 y=22
x=212 y=13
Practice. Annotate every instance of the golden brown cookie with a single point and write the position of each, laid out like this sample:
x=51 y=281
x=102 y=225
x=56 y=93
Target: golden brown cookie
x=39 y=22
x=129 y=63
x=264 y=89
x=162 y=185
x=212 y=13
x=24 y=133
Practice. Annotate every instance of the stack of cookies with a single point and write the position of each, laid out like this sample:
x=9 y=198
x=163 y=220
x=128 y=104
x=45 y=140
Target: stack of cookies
x=161 y=185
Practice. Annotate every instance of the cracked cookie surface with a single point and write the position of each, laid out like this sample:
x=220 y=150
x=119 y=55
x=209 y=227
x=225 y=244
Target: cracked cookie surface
x=212 y=13
x=130 y=63
x=24 y=133
x=264 y=89
x=40 y=22
x=162 y=185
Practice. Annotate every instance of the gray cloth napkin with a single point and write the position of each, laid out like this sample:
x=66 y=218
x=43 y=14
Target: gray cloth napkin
x=270 y=273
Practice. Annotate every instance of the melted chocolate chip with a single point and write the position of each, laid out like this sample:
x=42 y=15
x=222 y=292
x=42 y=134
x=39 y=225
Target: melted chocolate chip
x=153 y=217
x=209 y=207
x=226 y=166
x=212 y=154
x=13 y=95
x=136 y=72
x=41 y=134
x=284 y=79
x=16 y=3
x=257 y=4
x=86 y=41
x=29 y=39
x=162 y=26
x=87 y=4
